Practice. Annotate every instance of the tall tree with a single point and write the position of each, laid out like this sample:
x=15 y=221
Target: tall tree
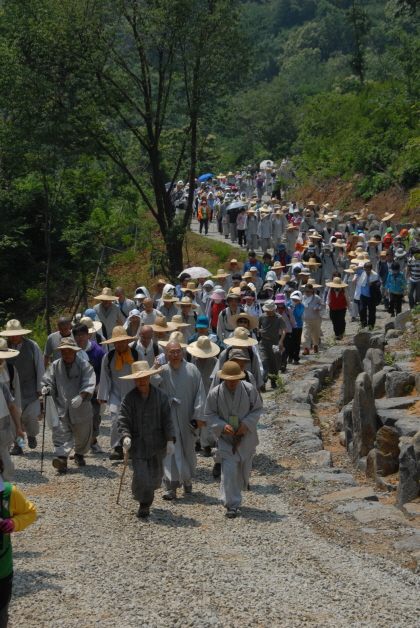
x=127 y=73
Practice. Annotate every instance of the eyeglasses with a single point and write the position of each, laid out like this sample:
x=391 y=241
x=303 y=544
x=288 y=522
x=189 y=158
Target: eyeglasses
x=176 y=352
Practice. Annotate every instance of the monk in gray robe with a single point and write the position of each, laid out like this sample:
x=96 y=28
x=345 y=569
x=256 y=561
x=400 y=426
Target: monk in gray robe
x=232 y=411
x=145 y=427
x=204 y=353
x=71 y=382
x=183 y=384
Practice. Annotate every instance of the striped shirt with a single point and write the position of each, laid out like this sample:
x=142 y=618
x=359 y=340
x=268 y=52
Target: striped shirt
x=414 y=269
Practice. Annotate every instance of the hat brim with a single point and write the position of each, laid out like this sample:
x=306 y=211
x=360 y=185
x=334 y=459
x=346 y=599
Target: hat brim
x=334 y=285
x=387 y=217
x=141 y=374
x=338 y=246
x=103 y=297
x=180 y=304
x=166 y=342
x=15 y=332
x=221 y=375
x=180 y=324
x=168 y=327
x=8 y=353
x=253 y=322
x=199 y=353
x=172 y=300
x=311 y=264
x=238 y=342
x=238 y=264
x=220 y=276
x=75 y=349
x=112 y=341
x=314 y=285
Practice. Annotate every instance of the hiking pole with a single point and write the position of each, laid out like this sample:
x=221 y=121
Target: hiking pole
x=43 y=434
x=122 y=474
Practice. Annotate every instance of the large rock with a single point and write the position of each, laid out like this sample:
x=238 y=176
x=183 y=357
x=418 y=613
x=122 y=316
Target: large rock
x=374 y=361
x=416 y=446
x=348 y=423
x=322 y=459
x=395 y=403
x=402 y=319
x=383 y=459
x=364 y=417
x=352 y=366
x=377 y=341
x=378 y=384
x=362 y=342
x=408 y=425
x=408 y=486
x=391 y=334
x=388 y=326
x=418 y=382
x=397 y=383
x=387 y=442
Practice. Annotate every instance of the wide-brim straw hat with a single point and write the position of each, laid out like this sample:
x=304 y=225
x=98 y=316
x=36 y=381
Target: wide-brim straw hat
x=230 y=174
x=276 y=265
x=191 y=286
x=339 y=243
x=14 y=328
x=314 y=236
x=91 y=325
x=161 y=324
x=68 y=343
x=234 y=293
x=233 y=261
x=240 y=338
x=141 y=369
x=361 y=257
x=312 y=262
x=247 y=275
x=159 y=282
x=186 y=301
x=291 y=227
x=106 y=295
x=176 y=336
x=283 y=281
x=5 y=352
x=349 y=270
x=118 y=334
x=220 y=274
x=168 y=298
x=311 y=283
x=231 y=370
x=293 y=261
x=372 y=241
x=336 y=283
x=221 y=176
x=387 y=217
x=177 y=320
x=253 y=321
x=330 y=216
x=203 y=348
x=311 y=204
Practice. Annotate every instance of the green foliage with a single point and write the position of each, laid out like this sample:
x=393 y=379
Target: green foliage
x=389 y=358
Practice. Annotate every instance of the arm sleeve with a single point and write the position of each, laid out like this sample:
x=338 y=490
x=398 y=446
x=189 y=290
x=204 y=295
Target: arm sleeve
x=212 y=417
x=49 y=379
x=17 y=393
x=7 y=394
x=168 y=425
x=22 y=511
x=124 y=422
x=256 y=406
x=48 y=348
x=88 y=380
x=105 y=380
x=39 y=366
x=199 y=401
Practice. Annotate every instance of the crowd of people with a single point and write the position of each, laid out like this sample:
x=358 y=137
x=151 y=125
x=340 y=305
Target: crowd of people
x=182 y=367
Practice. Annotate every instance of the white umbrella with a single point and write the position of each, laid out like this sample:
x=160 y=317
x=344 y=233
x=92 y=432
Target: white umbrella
x=266 y=164
x=196 y=272
x=236 y=204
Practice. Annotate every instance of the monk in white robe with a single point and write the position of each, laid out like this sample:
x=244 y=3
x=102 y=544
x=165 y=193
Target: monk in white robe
x=232 y=411
x=183 y=384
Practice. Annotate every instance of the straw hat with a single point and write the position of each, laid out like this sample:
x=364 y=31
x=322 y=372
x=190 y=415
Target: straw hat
x=14 y=328
x=161 y=324
x=5 y=352
x=350 y=271
x=168 y=298
x=91 y=325
x=176 y=336
x=240 y=338
x=203 y=348
x=330 y=216
x=276 y=265
x=253 y=321
x=293 y=261
x=234 y=293
x=336 y=283
x=387 y=217
x=239 y=354
x=247 y=275
x=314 y=236
x=141 y=369
x=284 y=280
x=230 y=370
x=191 y=286
x=234 y=261
x=118 y=333
x=362 y=257
x=177 y=320
x=186 y=301
x=339 y=243
x=220 y=274
x=311 y=284
x=69 y=343
x=312 y=262
x=291 y=227
x=373 y=241
x=383 y=253
x=311 y=204
x=159 y=282
x=230 y=174
x=221 y=176
x=106 y=295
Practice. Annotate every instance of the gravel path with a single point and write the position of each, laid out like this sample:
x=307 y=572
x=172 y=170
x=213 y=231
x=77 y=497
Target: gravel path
x=88 y=562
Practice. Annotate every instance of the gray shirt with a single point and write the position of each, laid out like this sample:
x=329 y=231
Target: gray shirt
x=271 y=327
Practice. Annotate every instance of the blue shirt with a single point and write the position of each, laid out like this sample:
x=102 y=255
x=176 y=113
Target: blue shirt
x=396 y=283
x=298 y=311
x=258 y=265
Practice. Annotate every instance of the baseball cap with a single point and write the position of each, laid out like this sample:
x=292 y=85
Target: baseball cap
x=202 y=321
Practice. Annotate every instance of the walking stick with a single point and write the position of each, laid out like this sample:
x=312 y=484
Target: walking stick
x=43 y=435
x=122 y=474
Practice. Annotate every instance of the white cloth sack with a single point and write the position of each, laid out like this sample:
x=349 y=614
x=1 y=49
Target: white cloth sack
x=51 y=413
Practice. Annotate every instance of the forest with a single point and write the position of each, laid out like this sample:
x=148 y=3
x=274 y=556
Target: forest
x=104 y=102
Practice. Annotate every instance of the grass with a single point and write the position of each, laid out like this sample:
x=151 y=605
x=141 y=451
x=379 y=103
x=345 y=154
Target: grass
x=389 y=359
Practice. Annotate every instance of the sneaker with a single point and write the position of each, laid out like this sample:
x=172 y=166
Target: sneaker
x=217 y=470
x=305 y=352
x=96 y=448
x=296 y=362
x=315 y=348
x=79 y=460
x=32 y=442
x=117 y=454
x=206 y=452
x=169 y=495
x=231 y=513
x=143 y=511
x=60 y=463
x=16 y=451
x=187 y=486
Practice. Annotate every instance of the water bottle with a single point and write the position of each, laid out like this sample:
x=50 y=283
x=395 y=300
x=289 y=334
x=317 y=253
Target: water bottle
x=21 y=442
